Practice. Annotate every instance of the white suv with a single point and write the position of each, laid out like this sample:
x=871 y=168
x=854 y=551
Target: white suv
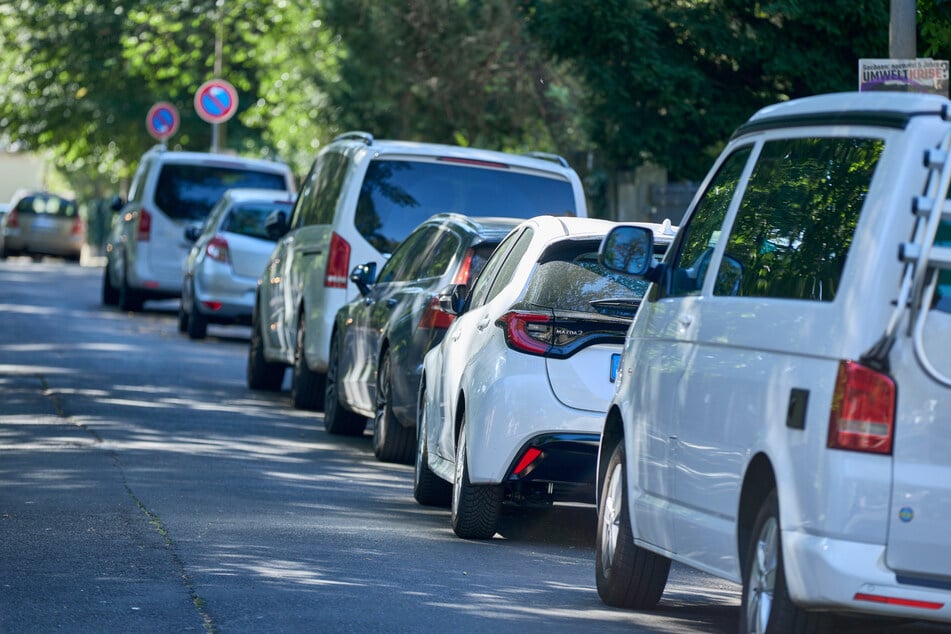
x=781 y=417
x=362 y=197
x=146 y=247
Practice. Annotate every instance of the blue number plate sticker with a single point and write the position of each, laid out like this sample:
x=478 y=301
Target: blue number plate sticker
x=615 y=364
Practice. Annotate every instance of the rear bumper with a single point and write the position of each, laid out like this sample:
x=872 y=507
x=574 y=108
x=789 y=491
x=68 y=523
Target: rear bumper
x=839 y=575
x=564 y=470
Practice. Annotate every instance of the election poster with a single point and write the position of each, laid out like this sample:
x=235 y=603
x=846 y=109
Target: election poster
x=904 y=75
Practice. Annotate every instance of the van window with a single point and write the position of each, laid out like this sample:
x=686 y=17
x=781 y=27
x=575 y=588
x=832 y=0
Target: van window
x=318 y=198
x=942 y=300
x=697 y=239
x=795 y=223
x=397 y=195
x=188 y=192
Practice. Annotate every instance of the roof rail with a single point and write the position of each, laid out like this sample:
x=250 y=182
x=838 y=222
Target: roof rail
x=355 y=135
x=549 y=157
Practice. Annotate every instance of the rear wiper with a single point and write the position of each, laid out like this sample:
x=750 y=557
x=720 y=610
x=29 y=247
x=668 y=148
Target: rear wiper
x=623 y=302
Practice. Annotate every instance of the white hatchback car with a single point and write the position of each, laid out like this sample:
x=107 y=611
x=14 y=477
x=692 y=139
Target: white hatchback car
x=781 y=417
x=220 y=273
x=513 y=398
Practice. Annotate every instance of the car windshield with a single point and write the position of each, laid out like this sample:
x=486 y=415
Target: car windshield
x=188 y=192
x=248 y=218
x=397 y=195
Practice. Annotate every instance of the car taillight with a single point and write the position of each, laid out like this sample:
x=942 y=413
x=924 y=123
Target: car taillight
x=217 y=249
x=435 y=317
x=338 y=263
x=532 y=333
x=863 y=410
x=145 y=226
x=465 y=269
x=528 y=459
x=13 y=219
x=77 y=229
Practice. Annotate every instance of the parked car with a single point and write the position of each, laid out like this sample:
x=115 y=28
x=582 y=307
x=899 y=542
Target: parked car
x=41 y=223
x=362 y=197
x=512 y=401
x=380 y=338
x=782 y=420
x=146 y=246
x=220 y=273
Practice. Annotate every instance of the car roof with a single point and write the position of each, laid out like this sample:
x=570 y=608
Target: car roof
x=394 y=148
x=225 y=160
x=481 y=225
x=663 y=231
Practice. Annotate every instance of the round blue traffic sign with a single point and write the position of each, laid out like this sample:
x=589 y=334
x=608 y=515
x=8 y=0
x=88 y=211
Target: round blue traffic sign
x=216 y=101
x=162 y=120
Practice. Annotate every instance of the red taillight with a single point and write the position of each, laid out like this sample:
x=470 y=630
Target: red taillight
x=145 y=226
x=527 y=332
x=435 y=317
x=908 y=603
x=465 y=269
x=217 y=249
x=863 y=410
x=527 y=459
x=338 y=263
x=13 y=219
x=77 y=229
x=212 y=306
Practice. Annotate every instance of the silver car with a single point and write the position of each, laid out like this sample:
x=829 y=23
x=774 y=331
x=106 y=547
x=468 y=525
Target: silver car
x=230 y=250
x=41 y=223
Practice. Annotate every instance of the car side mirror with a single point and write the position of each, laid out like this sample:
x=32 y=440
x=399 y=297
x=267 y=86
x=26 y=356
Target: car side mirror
x=364 y=276
x=276 y=224
x=453 y=299
x=628 y=249
x=192 y=232
x=116 y=204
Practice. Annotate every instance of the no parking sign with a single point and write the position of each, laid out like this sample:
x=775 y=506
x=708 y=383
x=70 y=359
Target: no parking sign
x=216 y=101
x=162 y=120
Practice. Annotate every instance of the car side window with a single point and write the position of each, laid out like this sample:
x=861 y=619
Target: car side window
x=438 y=254
x=796 y=220
x=696 y=240
x=399 y=266
x=318 y=197
x=481 y=285
x=508 y=267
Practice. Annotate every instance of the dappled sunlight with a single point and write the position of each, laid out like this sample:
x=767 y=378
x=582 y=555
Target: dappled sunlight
x=278 y=571
x=28 y=310
x=33 y=370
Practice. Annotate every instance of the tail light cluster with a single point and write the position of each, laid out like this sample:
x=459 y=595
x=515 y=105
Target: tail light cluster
x=13 y=219
x=549 y=334
x=144 y=232
x=78 y=226
x=435 y=317
x=863 y=410
x=338 y=263
x=217 y=249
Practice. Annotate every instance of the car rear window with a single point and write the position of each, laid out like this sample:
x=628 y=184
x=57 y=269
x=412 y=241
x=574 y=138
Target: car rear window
x=188 y=192
x=247 y=219
x=53 y=205
x=571 y=279
x=398 y=195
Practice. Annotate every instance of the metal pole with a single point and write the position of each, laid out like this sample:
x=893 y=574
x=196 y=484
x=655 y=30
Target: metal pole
x=902 y=42
x=216 y=132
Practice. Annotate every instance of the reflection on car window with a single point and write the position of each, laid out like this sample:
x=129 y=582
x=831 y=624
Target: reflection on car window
x=398 y=266
x=437 y=257
x=480 y=287
x=248 y=219
x=397 y=195
x=697 y=239
x=795 y=224
x=190 y=191
x=47 y=204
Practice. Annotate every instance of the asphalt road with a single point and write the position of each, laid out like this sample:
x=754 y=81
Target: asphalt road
x=144 y=488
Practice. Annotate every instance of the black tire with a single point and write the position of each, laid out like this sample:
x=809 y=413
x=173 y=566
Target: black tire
x=391 y=441
x=766 y=607
x=197 y=324
x=129 y=299
x=261 y=373
x=627 y=575
x=337 y=418
x=307 y=386
x=182 y=318
x=428 y=488
x=475 y=509
x=110 y=296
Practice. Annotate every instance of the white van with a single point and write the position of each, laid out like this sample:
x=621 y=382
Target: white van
x=146 y=247
x=782 y=416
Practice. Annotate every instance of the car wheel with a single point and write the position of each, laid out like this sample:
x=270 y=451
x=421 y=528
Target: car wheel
x=110 y=296
x=391 y=441
x=475 y=508
x=261 y=373
x=197 y=324
x=129 y=299
x=337 y=418
x=628 y=576
x=307 y=386
x=428 y=488
x=766 y=607
x=182 y=318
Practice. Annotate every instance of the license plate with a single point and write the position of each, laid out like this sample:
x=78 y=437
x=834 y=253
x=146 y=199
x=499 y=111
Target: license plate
x=615 y=364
